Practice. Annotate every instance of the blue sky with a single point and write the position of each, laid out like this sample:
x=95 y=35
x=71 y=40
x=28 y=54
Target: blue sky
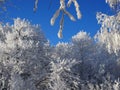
x=88 y=22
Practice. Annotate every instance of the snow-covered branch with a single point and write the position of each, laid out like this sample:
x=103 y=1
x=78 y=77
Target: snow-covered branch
x=62 y=8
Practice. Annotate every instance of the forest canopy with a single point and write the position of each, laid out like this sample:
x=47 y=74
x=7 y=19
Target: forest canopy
x=29 y=62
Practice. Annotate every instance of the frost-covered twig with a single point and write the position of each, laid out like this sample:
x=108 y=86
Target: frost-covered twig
x=61 y=26
x=35 y=6
x=62 y=9
x=76 y=7
x=54 y=17
x=69 y=15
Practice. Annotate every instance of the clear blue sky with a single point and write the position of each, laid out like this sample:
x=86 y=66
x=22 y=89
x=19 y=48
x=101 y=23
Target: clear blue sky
x=88 y=23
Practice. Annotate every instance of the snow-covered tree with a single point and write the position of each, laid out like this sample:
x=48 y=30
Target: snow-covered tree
x=107 y=40
x=62 y=77
x=63 y=63
x=109 y=34
x=28 y=62
x=24 y=56
x=83 y=51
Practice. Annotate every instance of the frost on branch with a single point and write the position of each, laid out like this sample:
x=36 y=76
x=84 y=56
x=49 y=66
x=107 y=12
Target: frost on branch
x=76 y=7
x=62 y=9
x=61 y=27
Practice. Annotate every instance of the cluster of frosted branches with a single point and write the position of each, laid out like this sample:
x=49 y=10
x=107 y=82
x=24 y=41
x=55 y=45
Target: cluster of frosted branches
x=62 y=9
x=115 y=4
x=110 y=32
x=64 y=12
